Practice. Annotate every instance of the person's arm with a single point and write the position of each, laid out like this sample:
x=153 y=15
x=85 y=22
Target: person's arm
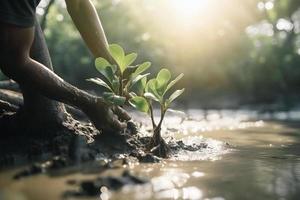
x=86 y=20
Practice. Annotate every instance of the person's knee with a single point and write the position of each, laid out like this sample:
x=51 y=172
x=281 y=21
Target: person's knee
x=15 y=45
x=13 y=59
x=12 y=62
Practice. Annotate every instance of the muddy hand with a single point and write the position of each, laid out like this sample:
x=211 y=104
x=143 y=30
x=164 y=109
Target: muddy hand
x=121 y=113
x=117 y=119
x=107 y=118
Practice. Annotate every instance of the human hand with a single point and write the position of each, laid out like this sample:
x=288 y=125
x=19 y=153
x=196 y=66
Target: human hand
x=106 y=117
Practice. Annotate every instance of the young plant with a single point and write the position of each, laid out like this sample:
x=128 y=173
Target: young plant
x=125 y=83
x=157 y=90
x=119 y=78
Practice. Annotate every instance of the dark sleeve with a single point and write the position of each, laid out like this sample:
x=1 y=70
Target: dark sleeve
x=18 y=12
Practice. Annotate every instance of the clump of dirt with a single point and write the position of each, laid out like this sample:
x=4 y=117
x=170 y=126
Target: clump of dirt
x=59 y=166
x=93 y=187
x=176 y=146
x=37 y=168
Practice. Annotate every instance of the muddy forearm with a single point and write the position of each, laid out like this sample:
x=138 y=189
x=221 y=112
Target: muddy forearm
x=52 y=86
x=86 y=20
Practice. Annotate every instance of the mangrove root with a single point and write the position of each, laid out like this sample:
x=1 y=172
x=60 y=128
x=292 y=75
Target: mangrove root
x=158 y=145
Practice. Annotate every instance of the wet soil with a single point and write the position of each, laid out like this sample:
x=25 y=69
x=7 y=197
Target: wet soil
x=99 y=185
x=261 y=162
x=79 y=147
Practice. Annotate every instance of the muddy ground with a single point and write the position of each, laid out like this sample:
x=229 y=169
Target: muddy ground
x=79 y=147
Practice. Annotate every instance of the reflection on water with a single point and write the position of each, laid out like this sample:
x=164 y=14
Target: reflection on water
x=262 y=161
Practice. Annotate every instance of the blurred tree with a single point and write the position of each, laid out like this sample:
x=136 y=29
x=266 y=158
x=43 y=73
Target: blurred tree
x=44 y=17
x=232 y=52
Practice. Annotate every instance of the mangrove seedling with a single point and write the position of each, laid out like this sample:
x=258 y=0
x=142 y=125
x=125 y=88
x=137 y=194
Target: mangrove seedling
x=156 y=90
x=121 y=77
x=126 y=84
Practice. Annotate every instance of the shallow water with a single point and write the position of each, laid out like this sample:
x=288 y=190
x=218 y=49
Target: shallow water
x=245 y=158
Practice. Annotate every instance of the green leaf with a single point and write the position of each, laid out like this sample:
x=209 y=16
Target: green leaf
x=139 y=87
x=177 y=112
x=101 y=64
x=100 y=82
x=162 y=78
x=139 y=77
x=113 y=98
x=141 y=68
x=132 y=94
x=114 y=68
x=140 y=103
x=150 y=85
x=151 y=96
x=105 y=68
x=173 y=96
x=129 y=71
x=108 y=74
x=129 y=59
x=116 y=85
x=151 y=88
x=117 y=52
x=172 y=83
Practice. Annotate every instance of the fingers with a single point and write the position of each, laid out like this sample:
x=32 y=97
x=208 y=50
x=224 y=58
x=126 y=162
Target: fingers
x=115 y=125
x=114 y=116
x=118 y=125
x=122 y=114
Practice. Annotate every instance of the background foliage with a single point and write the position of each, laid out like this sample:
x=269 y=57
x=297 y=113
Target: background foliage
x=232 y=52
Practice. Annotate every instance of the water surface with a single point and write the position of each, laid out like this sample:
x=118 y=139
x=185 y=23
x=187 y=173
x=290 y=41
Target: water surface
x=245 y=158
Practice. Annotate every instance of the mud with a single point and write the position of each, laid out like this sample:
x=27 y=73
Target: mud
x=99 y=185
x=77 y=147
x=261 y=162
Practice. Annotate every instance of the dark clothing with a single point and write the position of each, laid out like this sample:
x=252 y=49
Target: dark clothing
x=18 y=12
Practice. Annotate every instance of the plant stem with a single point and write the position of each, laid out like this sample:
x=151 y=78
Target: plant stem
x=162 y=115
x=121 y=85
x=152 y=115
x=157 y=135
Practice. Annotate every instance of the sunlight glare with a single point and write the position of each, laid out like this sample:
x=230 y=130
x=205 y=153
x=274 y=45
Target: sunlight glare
x=189 y=8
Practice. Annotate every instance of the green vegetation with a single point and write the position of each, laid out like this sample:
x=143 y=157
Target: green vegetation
x=126 y=84
x=156 y=90
x=231 y=52
x=119 y=78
